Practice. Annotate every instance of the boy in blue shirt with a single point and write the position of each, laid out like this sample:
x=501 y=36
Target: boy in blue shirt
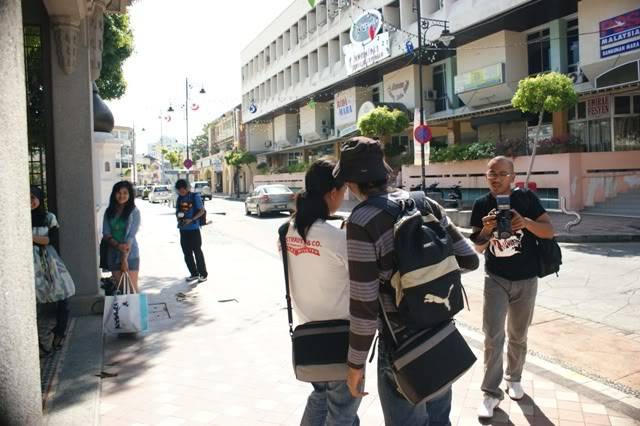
x=189 y=208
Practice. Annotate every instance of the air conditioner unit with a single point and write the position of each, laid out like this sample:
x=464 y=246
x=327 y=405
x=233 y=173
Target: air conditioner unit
x=577 y=77
x=325 y=130
x=430 y=95
x=267 y=144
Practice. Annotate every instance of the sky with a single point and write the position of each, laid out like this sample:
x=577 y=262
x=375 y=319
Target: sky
x=196 y=39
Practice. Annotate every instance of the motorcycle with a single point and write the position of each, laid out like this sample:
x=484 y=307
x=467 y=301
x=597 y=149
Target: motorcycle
x=453 y=199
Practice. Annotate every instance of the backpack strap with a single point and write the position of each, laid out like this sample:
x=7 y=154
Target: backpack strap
x=385 y=204
x=426 y=205
x=282 y=233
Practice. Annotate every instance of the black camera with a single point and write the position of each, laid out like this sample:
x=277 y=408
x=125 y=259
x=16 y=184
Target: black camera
x=503 y=217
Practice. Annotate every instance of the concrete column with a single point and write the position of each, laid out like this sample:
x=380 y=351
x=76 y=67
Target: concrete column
x=20 y=397
x=558 y=51
x=74 y=152
x=453 y=132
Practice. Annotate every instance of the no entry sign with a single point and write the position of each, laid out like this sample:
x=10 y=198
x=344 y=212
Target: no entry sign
x=422 y=134
x=188 y=163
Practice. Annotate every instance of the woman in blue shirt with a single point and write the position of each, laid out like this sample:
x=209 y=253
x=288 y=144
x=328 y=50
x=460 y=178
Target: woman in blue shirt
x=119 y=228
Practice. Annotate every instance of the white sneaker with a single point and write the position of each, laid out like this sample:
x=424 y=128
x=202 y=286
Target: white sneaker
x=485 y=410
x=515 y=391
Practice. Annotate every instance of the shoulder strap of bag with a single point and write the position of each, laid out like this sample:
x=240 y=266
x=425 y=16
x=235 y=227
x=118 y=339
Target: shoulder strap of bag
x=282 y=233
x=384 y=203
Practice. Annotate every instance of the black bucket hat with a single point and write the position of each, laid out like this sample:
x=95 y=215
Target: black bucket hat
x=361 y=160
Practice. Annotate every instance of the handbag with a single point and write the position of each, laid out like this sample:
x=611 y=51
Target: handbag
x=319 y=348
x=104 y=255
x=127 y=312
x=549 y=256
x=426 y=363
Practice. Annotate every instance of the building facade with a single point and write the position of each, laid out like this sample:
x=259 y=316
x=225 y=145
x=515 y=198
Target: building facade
x=124 y=157
x=226 y=133
x=310 y=75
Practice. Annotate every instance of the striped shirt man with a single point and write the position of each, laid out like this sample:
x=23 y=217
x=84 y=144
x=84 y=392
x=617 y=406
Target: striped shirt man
x=370 y=254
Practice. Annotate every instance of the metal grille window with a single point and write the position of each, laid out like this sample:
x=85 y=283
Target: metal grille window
x=38 y=111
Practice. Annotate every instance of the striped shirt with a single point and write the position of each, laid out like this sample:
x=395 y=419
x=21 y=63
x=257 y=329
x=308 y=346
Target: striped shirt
x=370 y=254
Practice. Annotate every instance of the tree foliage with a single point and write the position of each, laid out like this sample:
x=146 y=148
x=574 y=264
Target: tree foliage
x=200 y=144
x=544 y=93
x=174 y=157
x=239 y=157
x=382 y=122
x=549 y=92
x=117 y=47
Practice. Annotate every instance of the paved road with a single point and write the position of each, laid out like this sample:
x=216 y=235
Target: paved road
x=598 y=282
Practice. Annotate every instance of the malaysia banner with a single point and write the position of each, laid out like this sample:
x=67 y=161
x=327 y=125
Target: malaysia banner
x=620 y=34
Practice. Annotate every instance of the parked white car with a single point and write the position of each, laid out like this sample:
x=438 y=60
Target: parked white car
x=159 y=194
x=203 y=188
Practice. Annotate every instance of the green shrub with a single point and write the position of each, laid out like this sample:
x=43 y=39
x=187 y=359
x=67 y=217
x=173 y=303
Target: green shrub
x=459 y=152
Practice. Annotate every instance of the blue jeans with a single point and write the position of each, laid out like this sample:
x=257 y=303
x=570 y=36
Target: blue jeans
x=330 y=403
x=400 y=412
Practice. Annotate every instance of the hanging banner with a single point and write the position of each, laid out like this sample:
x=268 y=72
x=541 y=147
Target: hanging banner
x=345 y=107
x=417 y=146
x=359 y=56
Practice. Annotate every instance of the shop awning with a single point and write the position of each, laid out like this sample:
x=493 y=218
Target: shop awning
x=317 y=144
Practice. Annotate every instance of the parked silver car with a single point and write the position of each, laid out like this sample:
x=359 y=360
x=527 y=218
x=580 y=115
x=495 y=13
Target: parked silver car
x=203 y=188
x=270 y=199
x=159 y=194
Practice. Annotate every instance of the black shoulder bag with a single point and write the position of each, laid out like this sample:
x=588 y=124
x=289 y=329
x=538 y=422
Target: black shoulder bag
x=319 y=348
x=548 y=250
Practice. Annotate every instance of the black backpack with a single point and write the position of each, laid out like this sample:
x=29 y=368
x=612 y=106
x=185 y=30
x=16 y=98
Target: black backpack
x=549 y=252
x=202 y=219
x=426 y=277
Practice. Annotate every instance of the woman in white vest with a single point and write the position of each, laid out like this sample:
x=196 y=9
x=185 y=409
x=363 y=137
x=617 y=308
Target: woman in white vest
x=319 y=279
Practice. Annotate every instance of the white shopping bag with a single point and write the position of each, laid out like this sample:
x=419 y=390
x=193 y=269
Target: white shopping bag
x=127 y=312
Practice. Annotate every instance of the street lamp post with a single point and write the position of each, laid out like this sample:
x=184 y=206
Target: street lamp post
x=423 y=25
x=186 y=112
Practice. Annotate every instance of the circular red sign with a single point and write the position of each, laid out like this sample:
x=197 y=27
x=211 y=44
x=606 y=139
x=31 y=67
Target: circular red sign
x=422 y=134
x=188 y=163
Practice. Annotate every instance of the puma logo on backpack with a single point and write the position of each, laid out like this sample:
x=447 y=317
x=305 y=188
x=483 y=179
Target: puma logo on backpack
x=432 y=298
x=426 y=276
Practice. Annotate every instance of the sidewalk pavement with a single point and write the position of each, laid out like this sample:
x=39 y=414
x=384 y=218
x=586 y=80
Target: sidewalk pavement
x=223 y=364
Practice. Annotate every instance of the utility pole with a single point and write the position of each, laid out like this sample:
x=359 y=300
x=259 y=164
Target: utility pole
x=420 y=89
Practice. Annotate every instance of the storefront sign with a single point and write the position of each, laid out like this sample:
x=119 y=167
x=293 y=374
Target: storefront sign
x=359 y=56
x=345 y=107
x=598 y=107
x=480 y=78
x=397 y=90
x=365 y=109
x=620 y=34
x=347 y=130
x=217 y=164
x=365 y=27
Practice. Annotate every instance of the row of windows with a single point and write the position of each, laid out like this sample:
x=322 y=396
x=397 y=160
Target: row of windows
x=314 y=19
x=538 y=52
